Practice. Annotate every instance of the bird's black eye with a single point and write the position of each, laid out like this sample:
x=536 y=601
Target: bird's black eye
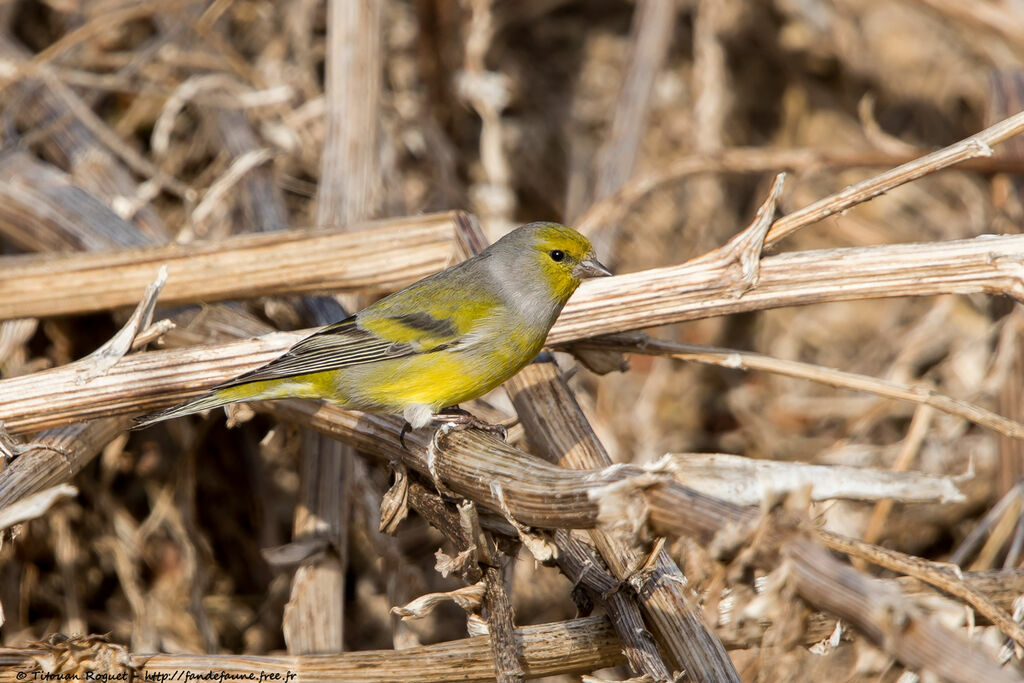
x=557 y=255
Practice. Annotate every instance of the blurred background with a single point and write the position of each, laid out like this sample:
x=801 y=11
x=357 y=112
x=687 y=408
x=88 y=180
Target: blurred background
x=193 y=121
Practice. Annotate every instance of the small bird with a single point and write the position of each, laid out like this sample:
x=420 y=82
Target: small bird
x=446 y=339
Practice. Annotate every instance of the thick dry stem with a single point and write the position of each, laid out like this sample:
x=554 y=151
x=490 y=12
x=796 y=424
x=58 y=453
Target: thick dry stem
x=55 y=457
x=499 y=477
x=703 y=288
x=576 y=646
x=381 y=257
x=558 y=429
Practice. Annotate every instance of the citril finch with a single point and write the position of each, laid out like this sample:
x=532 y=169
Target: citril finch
x=449 y=338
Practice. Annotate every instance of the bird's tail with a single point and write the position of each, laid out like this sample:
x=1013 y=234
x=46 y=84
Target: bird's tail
x=213 y=399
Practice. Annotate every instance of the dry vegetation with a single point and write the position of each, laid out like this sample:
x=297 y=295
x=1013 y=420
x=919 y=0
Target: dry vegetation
x=851 y=331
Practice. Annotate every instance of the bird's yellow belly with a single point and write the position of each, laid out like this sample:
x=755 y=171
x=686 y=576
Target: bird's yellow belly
x=438 y=379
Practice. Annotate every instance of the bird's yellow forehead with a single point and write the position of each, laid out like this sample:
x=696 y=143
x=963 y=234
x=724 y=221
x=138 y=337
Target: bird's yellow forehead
x=554 y=236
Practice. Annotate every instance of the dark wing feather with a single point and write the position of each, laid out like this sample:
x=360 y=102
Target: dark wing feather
x=336 y=346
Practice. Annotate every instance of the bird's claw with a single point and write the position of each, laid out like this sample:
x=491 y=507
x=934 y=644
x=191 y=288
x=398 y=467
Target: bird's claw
x=461 y=420
x=456 y=419
x=406 y=428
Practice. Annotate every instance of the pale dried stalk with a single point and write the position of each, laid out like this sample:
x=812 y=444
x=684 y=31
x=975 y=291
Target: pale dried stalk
x=109 y=395
x=14 y=334
x=485 y=470
x=651 y=34
x=314 y=615
x=488 y=93
x=944 y=577
x=347 y=193
x=749 y=160
x=384 y=257
x=40 y=210
x=349 y=188
x=653 y=21
x=533 y=492
x=55 y=457
x=35 y=505
x=749 y=481
x=557 y=428
x=1002 y=586
x=574 y=646
x=711 y=92
x=703 y=288
x=920 y=423
x=707 y=287
x=501 y=629
x=748 y=360
x=979 y=145
x=879 y=612
x=761 y=160
x=567 y=647
x=1010 y=501
x=580 y=565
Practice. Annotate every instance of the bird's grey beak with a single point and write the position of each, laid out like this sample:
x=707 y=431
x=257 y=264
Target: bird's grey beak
x=590 y=268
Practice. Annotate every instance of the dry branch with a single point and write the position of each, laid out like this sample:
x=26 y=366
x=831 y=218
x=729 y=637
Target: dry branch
x=943 y=577
x=35 y=505
x=558 y=429
x=582 y=567
x=749 y=481
x=491 y=473
x=978 y=145
x=41 y=210
x=576 y=646
x=653 y=21
x=651 y=34
x=705 y=287
x=346 y=194
x=349 y=186
x=56 y=456
x=747 y=360
x=750 y=160
x=880 y=614
x=381 y=258
x=757 y=160
x=700 y=288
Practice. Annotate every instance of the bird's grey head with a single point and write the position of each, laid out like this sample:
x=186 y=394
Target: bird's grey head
x=540 y=265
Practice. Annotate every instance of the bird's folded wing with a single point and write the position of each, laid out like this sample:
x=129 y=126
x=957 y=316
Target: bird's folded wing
x=336 y=346
x=349 y=342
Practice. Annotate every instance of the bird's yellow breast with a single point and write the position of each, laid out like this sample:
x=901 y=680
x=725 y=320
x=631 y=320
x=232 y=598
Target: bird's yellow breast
x=438 y=379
